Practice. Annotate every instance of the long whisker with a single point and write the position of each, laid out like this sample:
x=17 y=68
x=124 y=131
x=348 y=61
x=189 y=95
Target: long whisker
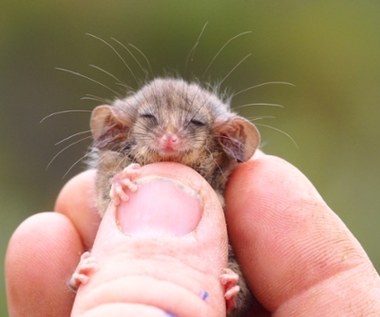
x=65 y=148
x=62 y=112
x=280 y=131
x=117 y=53
x=72 y=136
x=132 y=55
x=190 y=55
x=262 y=84
x=143 y=56
x=88 y=78
x=258 y=104
x=232 y=70
x=125 y=86
x=222 y=48
x=252 y=119
x=106 y=72
x=74 y=164
x=95 y=98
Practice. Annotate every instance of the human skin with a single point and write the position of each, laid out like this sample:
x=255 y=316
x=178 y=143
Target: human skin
x=298 y=257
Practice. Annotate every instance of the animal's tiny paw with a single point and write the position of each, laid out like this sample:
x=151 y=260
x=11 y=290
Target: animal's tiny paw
x=123 y=181
x=229 y=280
x=85 y=267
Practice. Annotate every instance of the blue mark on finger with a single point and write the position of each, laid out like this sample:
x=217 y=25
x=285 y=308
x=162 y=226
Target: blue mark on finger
x=170 y=315
x=204 y=295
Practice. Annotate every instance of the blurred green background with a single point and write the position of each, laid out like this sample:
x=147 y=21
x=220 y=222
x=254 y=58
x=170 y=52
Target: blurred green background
x=329 y=50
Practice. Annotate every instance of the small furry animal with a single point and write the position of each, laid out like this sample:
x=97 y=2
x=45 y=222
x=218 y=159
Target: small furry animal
x=172 y=120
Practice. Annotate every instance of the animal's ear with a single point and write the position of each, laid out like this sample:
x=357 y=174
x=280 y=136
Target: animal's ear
x=107 y=128
x=238 y=137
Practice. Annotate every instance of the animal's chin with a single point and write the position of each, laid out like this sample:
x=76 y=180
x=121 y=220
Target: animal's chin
x=179 y=154
x=168 y=154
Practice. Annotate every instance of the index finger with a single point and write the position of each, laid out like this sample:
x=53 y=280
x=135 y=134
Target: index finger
x=77 y=202
x=298 y=256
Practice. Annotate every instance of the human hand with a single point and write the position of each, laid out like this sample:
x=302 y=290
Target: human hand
x=298 y=257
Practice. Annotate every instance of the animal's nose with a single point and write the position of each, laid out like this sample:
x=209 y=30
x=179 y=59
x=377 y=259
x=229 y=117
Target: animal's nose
x=169 y=140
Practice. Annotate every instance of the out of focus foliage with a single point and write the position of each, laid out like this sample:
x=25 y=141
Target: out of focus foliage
x=330 y=51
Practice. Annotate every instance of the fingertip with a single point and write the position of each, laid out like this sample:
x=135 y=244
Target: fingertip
x=77 y=191
x=283 y=233
x=77 y=201
x=40 y=257
x=268 y=181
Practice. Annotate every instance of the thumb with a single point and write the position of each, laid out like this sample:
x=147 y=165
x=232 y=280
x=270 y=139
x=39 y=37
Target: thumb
x=160 y=253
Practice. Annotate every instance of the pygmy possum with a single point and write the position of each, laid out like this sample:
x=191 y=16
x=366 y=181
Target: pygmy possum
x=170 y=119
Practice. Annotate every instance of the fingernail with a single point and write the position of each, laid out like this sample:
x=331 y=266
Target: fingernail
x=160 y=206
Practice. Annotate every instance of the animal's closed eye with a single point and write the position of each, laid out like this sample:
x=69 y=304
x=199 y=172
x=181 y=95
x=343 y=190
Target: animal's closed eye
x=148 y=116
x=197 y=123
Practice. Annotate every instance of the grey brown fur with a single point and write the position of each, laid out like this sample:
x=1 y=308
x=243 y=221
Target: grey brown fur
x=210 y=138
